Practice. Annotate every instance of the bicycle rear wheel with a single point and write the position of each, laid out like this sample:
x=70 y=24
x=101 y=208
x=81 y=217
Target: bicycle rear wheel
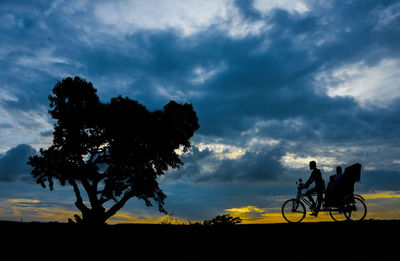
x=338 y=214
x=293 y=211
x=355 y=210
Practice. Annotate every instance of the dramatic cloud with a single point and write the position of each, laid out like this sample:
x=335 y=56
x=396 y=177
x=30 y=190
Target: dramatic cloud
x=251 y=167
x=13 y=164
x=376 y=85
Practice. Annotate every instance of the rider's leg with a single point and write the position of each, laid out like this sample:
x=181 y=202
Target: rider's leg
x=319 y=201
x=310 y=198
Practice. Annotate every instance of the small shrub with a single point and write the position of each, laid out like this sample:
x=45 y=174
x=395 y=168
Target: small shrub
x=225 y=219
x=169 y=220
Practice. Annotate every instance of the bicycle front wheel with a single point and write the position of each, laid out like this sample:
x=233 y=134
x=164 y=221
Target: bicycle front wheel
x=293 y=211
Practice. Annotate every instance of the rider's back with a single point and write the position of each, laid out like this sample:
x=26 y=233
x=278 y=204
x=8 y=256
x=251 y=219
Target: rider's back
x=317 y=176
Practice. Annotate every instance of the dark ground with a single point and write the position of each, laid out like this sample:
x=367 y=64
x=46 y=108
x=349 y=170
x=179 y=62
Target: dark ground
x=369 y=239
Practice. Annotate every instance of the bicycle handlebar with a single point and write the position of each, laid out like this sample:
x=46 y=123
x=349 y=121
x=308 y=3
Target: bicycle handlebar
x=300 y=184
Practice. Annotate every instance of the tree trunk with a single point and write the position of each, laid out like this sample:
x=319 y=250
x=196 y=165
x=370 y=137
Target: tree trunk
x=97 y=215
x=94 y=216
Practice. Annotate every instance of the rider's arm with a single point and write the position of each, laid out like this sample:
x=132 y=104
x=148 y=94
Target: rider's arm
x=309 y=181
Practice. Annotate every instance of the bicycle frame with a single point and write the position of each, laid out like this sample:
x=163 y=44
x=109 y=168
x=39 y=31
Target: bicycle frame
x=305 y=200
x=302 y=197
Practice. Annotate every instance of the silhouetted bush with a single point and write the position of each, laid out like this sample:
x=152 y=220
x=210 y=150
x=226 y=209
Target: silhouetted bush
x=225 y=219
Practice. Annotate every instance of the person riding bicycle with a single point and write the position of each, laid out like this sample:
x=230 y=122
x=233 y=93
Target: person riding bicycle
x=316 y=177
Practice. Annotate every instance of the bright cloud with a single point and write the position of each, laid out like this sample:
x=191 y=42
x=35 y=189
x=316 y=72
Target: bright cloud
x=294 y=161
x=248 y=214
x=26 y=127
x=223 y=151
x=377 y=84
x=290 y=5
x=187 y=17
x=202 y=74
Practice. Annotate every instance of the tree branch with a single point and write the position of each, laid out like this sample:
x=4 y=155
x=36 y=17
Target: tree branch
x=79 y=202
x=117 y=206
x=92 y=193
x=103 y=200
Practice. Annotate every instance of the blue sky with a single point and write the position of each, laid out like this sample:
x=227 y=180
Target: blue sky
x=275 y=84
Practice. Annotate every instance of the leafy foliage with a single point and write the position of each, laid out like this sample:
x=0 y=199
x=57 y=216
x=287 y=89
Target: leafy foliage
x=225 y=219
x=115 y=150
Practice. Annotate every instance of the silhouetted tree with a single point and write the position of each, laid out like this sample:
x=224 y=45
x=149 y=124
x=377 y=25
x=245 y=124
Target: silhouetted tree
x=114 y=151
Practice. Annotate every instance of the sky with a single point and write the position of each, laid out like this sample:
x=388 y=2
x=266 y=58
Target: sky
x=275 y=84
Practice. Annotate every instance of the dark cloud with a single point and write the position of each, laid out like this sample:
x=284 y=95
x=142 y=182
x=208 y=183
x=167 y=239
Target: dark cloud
x=48 y=133
x=380 y=180
x=264 y=77
x=13 y=165
x=193 y=164
x=247 y=9
x=252 y=167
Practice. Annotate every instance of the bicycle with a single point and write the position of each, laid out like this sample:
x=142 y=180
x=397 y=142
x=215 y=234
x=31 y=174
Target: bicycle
x=349 y=208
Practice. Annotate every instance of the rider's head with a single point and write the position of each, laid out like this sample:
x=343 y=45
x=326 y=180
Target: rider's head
x=338 y=170
x=313 y=165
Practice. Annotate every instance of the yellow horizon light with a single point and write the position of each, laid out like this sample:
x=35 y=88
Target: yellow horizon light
x=23 y=200
x=386 y=194
x=247 y=209
x=380 y=205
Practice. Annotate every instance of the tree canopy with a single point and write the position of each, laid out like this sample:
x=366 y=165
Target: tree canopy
x=114 y=151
